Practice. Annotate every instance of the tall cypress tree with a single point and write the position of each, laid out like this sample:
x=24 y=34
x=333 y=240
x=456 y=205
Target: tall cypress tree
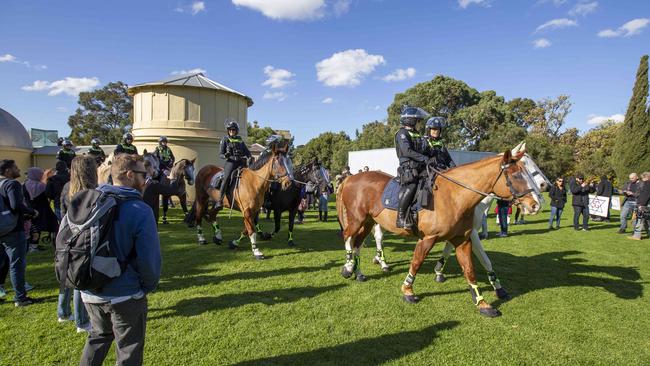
x=632 y=152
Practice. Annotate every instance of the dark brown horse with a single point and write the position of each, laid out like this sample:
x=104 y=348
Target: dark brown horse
x=359 y=207
x=247 y=194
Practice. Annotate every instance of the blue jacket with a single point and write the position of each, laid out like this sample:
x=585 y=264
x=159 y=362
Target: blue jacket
x=136 y=239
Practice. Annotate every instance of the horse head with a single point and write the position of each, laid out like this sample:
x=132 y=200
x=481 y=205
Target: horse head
x=152 y=160
x=516 y=183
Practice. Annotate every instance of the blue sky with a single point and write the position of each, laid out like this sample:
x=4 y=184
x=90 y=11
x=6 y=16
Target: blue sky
x=330 y=64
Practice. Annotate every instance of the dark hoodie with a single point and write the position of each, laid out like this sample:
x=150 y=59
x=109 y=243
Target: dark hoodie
x=56 y=182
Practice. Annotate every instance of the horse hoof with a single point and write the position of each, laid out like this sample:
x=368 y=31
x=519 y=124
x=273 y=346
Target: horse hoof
x=385 y=269
x=345 y=273
x=291 y=243
x=361 y=278
x=217 y=241
x=440 y=278
x=232 y=245
x=203 y=242
x=411 y=299
x=502 y=294
x=489 y=312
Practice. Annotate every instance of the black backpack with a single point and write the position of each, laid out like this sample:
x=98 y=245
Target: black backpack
x=84 y=257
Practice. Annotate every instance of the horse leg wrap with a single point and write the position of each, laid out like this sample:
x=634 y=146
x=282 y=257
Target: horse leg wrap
x=409 y=280
x=494 y=280
x=440 y=266
x=476 y=293
x=350 y=264
x=290 y=236
x=199 y=234
x=380 y=255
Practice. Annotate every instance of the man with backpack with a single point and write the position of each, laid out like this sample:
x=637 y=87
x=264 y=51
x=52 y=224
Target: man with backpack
x=118 y=307
x=12 y=233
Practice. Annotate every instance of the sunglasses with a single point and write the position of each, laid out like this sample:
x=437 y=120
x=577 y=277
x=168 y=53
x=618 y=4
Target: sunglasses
x=144 y=173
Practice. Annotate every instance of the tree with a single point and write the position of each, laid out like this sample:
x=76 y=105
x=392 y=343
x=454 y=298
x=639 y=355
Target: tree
x=104 y=113
x=375 y=135
x=526 y=112
x=554 y=159
x=631 y=151
x=593 y=151
x=257 y=134
x=555 y=112
x=330 y=148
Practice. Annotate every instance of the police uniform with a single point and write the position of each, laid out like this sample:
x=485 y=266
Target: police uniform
x=234 y=151
x=97 y=153
x=125 y=148
x=435 y=149
x=66 y=156
x=165 y=156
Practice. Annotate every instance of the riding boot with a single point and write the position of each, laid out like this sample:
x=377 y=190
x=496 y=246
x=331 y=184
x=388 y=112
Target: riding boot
x=405 y=199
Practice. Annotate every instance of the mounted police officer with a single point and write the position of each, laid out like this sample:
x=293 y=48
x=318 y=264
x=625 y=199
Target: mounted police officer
x=410 y=152
x=126 y=147
x=96 y=151
x=66 y=154
x=164 y=154
x=234 y=151
x=434 y=146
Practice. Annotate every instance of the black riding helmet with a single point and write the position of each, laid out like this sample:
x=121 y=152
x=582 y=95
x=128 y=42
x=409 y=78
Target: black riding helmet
x=95 y=142
x=231 y=124
x=435 y=123
x=162 y=139
x=412 y=115
x=127 y=136
x=67 y=143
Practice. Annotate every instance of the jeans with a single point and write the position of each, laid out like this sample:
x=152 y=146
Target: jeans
x=503 y=219
x=15 y=246
x=577 y=211
x=124 y=322
x=63 y=307
x=639 y=225
x=626 y=210
x=322 y=203
x=556 y=213
x=4 y=267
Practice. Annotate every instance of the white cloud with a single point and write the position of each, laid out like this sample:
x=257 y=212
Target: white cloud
x=347 y=68
x=631 y=28
x=377 y=107
x=286 y=9
x=279 y=96
x=542 y=43
x=328 y=100
x=8 y=58
x=190 y=71
x=277 y=78
x=583 y=8
x=465 y=3
x=557 y=24
x=341 y=7
x=197 y=7
x=70 y=86
x=598 y=120
x=400 y=74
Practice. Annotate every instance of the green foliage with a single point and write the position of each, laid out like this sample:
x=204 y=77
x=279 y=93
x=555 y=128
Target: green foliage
x=554 y=159
x=593 y=150
x=555 y=111
x=257 y=134
x=103 y=113
x=216 y=306
x=375 y=135
x=330 y=148
x=632 y=149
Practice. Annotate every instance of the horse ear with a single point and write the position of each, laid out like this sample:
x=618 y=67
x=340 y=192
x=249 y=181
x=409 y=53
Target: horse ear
x=517 y=148
x=507 y=157
x=193 y=160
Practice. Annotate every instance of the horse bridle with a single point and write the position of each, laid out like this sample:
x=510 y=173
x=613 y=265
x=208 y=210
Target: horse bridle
x=503 y=171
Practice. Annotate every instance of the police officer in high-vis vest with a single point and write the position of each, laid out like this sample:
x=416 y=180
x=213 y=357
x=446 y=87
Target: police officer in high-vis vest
x=435 y=147
x=234 y=151
x=126 y=147
x=66 y=154
x=96 y=151
x=164 y=154
x=410 y=152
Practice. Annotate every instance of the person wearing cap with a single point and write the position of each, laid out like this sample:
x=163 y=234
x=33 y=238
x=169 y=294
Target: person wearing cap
x=410 y=149
x=96 y=151
x=580 y=190
x=234 y=151
x=66 y=154
x=126 y=147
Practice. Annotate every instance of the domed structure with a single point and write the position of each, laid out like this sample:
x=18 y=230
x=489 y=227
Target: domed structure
x=15 y=142
x=191 y=111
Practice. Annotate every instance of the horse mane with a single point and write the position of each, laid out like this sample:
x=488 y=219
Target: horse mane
x=261 y=161
x=177 y=168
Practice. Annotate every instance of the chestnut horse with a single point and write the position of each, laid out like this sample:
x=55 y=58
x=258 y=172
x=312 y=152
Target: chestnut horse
x=248 y=194
x=456 y=192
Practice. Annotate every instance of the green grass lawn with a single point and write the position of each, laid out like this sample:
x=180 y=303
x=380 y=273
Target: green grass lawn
x=578 y=298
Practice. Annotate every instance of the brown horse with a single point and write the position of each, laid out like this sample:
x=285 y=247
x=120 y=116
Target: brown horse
x=248 y=194
x=359 y=207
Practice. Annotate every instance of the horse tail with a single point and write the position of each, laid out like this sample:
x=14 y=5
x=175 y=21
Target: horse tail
x=341 y=211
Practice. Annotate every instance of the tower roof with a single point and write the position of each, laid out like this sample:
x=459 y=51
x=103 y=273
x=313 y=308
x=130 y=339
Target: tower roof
x=13 y=133
x=197 y=80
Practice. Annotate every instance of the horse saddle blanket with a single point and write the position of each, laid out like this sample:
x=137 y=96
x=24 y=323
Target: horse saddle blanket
x=390 y=197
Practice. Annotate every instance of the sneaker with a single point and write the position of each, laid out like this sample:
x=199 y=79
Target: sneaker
x=85 y=328
x=28 y=287
x=3 y=292
x=63 y=320
x=27 y=301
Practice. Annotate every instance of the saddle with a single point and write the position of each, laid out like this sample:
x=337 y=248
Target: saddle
x=217 y=179
x=422 y=198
